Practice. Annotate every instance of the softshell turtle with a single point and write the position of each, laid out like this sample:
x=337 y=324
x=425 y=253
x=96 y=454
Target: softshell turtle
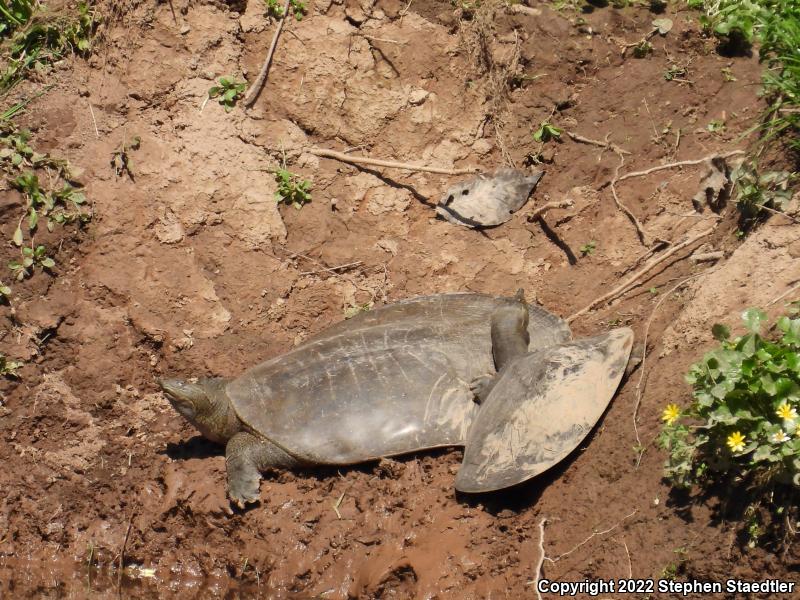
x=444 y=370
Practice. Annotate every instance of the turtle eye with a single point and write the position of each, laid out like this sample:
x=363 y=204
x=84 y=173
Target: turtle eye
x=449 y=200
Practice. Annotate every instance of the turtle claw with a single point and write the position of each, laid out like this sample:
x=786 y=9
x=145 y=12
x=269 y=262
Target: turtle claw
x=481 y=386
x=244 y=491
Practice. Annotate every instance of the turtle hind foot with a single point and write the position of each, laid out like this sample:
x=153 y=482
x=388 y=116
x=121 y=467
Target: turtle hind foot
x=481 y=387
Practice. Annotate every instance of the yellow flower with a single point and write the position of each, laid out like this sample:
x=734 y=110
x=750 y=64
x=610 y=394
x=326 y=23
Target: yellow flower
x=736 y=442
x=671 y=414
x=786 y=412
x=780 y=437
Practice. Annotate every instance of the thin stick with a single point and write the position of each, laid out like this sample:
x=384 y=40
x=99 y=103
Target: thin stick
x=91 y=111
x=681 y=163
x=334 y=269
x=628 y=554
x=122 y=553
x=643 y=237
x=620 y=289
x=777 y=212
x=377 y=39
x=538 y=571
x=791 y=290
x=585 y=140
x=545 y=207
x=337 y=504
x=255 y=89
x=588 y=539
x=639 y=388
x=524 y=10
x=389 y=164
x=707 y=256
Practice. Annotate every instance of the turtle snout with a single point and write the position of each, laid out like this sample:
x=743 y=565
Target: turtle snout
x=179 y=395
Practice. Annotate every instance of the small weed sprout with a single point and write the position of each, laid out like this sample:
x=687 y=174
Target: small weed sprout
x=8 y=368
x=356 y=309
x=546 y=132
x=121 y=157
x=728 y=74
x=5 y=293
x=716 y=126
x=588 y=248
x=31 y=257
x=296 y=8
x=228 y=91
x=291 y=188
x=642 y=49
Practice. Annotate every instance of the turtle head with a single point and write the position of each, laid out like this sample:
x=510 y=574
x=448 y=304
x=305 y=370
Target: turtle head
x=204 y=404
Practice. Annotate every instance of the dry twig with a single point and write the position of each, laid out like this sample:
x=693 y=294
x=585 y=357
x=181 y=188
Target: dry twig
x=389 y=164
x=791 y=290
x=628 y=554
x=122 y=553
x=334 y=269
x=707 y=256
x=643 y=237
x=538 y=571
x=657 y=260
x=639 y=387
x=94 y=121
x=585 y=140
x=680 y=163
x=258 y=84
x=588 y=539
x=545 y=207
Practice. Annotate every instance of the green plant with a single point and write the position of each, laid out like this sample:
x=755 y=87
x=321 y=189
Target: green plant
x=776 y=24
x=31 y=257
x=756 y=191
x=37 y=36
x=743 y=420
x=546 y=132
x=588 y=248
x=728 y=74
x=291 y=188
x=296 y=8
x=642 y=49
x=8 y=368
x=352 y=311
x=675 y=72
x=121 y=157
x=716 y=126
x=5 y=292
x=228 y=91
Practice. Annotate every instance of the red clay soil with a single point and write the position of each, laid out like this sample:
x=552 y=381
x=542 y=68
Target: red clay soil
x=190 y=269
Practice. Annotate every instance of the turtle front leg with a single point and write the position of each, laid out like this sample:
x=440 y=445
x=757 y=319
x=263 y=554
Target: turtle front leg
x=246 y=457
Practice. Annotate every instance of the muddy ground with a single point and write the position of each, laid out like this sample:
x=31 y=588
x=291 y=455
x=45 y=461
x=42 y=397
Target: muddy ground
x=189 y=269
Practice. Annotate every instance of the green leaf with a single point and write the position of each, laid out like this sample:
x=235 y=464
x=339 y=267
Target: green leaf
x=33 y=219
x=753 y=318
x=765 y=453
x=17 y=239
x=48 y=263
